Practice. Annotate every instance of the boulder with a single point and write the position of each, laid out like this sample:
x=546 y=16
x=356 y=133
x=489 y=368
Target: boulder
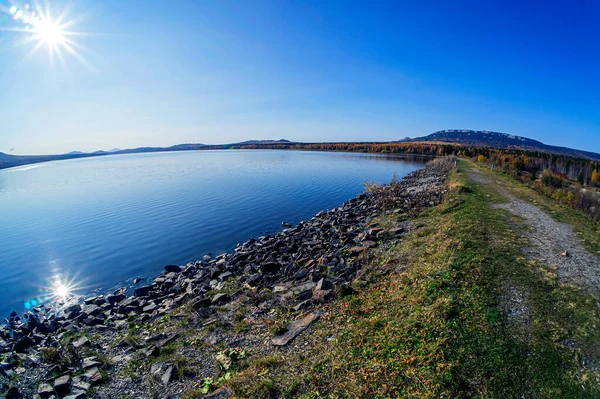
x=45 y=390
x=142 y=291
x=115 y=299
x=62 y=385
x=173 y=269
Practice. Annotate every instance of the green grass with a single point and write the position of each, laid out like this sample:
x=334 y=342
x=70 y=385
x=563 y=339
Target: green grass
x=437 y=328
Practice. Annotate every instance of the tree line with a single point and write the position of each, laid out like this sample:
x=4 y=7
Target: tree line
x=570 y=180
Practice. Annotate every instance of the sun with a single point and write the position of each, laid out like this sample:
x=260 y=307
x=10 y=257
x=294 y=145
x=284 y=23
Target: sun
x=50 y=32
x=40 y=28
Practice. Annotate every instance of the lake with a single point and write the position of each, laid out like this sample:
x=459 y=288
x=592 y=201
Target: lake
x=94 y=224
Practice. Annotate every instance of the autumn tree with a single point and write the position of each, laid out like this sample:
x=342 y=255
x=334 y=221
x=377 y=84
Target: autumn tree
x=596 y=176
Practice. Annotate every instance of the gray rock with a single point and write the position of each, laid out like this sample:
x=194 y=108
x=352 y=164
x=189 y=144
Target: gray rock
x=45 y=390
x=82 y=341
x=93 y=375
x=73 y=308
x=169 y=375
x=142 y=291
x=90 y=362
x=62 y=385
x=295 y=328
x=300 y=274
x=172 y=269
x=151 y=351
x=220 y=298
x=254 y=279
x=324 y=284
x=115 y=299
x=23 y=344
x=150 y=308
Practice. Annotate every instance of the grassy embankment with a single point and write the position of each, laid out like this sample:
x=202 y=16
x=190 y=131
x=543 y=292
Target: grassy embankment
x=429 y=318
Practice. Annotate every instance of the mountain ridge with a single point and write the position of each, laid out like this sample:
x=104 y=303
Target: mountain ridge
x=475 y=138
x=486 y=138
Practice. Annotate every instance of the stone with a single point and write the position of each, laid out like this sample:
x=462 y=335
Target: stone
x=356 y=250
x=151 y=351
x=45 y=390
x=172 y=269
x=300 y=274
x=254 y=279
x=220 y=298
x=150 y=308
x=295 y=328
x=82 y=386
x=93 y=375
x=73 y=308
x=23 y=344
x=121 y=324
x=13 y=393
x=225 y=276
x=269 y=267
x=115 y=299
x=324 y=284
x=82 y=341
x=90 y=362
x=137 y=280
x=62 y=385
x=92 y=310
x=323 y=295
x=142 y=291
x=169 y=375
x=397 y=231
x=198 y=303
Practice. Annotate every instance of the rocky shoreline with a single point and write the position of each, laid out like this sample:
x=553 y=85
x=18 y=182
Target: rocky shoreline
x=195 y=320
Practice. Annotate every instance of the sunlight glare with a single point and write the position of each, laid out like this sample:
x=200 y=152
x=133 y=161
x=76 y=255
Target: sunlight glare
x=61 y=291
x=43 y=29
x=49 y=32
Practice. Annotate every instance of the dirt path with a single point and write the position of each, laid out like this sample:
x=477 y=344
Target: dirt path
x=551 y=241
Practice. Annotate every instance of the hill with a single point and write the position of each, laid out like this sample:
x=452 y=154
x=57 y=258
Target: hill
x=483 y=138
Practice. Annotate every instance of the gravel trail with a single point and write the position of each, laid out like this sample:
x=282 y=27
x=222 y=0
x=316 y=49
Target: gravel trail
x=551 y=241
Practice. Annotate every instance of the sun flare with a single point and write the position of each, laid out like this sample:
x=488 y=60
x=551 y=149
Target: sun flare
x=40 y=28
x=50 y=32
x=61 y=291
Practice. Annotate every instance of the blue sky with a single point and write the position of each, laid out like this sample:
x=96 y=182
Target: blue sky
x=162 y=73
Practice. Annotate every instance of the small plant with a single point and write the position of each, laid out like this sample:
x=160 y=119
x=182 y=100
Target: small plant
x=228 y=358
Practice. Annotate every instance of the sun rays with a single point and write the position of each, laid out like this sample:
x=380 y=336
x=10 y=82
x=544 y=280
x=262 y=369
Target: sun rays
x=38 y=27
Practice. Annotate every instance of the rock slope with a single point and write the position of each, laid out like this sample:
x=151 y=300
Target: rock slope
x=161 y=341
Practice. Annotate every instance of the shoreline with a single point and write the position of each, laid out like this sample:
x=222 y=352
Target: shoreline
x=300 y=268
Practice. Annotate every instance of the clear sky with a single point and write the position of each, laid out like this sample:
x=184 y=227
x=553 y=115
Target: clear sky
x=163 y=73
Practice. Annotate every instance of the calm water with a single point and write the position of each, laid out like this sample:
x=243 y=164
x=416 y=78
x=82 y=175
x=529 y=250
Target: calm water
x=101 y=222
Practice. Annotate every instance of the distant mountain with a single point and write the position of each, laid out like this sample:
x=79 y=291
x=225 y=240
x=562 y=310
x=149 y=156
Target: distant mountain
x=251 y=142
x=483 y=138
x=466 y=137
